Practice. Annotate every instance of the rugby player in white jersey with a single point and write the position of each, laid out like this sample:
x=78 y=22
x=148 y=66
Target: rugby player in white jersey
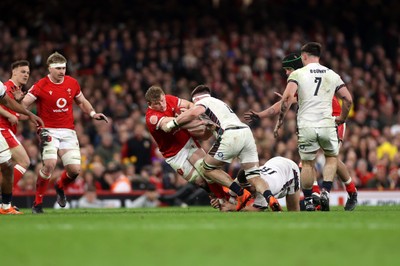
x=283 y=178
x=290 y=63
x=315 y=86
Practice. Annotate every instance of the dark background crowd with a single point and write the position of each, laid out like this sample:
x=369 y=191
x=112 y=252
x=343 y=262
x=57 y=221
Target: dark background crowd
x=118 y=49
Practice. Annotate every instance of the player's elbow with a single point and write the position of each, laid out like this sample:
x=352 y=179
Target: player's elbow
x=348 y=101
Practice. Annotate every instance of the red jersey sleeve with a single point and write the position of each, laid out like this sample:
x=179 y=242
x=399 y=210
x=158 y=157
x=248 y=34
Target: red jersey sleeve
x=4 y=123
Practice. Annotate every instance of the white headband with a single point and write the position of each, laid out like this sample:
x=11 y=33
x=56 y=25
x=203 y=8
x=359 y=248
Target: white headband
x=55 y=65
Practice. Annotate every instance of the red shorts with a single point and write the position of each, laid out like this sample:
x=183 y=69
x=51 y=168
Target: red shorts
x=10 y=138
x=341 y=130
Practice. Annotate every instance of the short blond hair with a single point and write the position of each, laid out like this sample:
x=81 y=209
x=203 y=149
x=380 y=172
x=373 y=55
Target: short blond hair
x=56 y=58
x=153 y=94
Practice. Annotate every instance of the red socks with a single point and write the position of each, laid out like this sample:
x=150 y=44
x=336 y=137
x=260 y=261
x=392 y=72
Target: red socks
x=19 y=171
x=41 y=187
x=351 y=188
x=64 y=181
x=315 y=189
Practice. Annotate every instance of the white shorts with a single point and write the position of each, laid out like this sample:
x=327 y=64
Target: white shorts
x=234 y=143
x=5 y=153
x=180 y=162
x=60 y=139
x=310 y=140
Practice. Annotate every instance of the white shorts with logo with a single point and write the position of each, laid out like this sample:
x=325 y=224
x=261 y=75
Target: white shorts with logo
x=235 y=143
x=180 y=162
x=310 y=140
x=5 y=153
x=59 y=139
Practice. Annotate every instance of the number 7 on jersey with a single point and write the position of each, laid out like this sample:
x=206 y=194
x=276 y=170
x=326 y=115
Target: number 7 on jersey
x=318 y=81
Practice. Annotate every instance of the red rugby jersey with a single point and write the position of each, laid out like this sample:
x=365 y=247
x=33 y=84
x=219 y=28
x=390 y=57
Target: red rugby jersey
x=54 y=101
x=4 y=123
x=172 y=142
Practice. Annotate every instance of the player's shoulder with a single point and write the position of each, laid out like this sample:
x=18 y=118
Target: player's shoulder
x=9 y=84
x=151 y=112
x=297 y=73
x=210 y=100
x=152 y=117
x=70 y=80
x=41 y=83
x=171 y=98
x=148 y=111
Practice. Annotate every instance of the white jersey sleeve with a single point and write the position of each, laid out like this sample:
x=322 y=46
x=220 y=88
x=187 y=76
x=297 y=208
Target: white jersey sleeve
x=317 y=85
x=220 y=113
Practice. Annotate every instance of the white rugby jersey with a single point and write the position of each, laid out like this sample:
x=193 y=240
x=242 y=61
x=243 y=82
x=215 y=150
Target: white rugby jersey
x=317 y=85
x=283 y=177
x=220 y=113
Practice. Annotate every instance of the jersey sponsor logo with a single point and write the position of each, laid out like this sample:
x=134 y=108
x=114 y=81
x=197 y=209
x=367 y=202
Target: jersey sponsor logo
x=153 y=119
x=61 y=103
x=50 y=92
x=220 y=155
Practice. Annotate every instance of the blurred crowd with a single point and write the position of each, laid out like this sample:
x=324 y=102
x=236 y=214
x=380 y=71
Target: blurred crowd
x=236 y=48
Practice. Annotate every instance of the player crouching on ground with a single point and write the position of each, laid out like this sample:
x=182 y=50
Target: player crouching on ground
x=282 y=176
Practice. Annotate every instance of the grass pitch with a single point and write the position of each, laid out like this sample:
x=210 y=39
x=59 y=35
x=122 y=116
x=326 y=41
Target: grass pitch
x=201 y=236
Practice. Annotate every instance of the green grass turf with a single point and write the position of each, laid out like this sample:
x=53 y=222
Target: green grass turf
x=201 y=236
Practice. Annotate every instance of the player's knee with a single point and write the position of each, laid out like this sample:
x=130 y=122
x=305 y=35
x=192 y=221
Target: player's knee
x=7 y=164
x=49 y=153
x=24 y=163
x=48 y=167
x=308 y=156
x=7 y=168
x=194 y=176
x=206 y=167
x=71 y=157
x=198 y=180
x=44 y=173
x=73 y=175
x=73 y=170
x=198 y=166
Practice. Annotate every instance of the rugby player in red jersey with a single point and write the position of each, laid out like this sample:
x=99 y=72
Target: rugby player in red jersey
x=9 y=118
x=180 y=150
x=54 y=96
x=6 y=164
